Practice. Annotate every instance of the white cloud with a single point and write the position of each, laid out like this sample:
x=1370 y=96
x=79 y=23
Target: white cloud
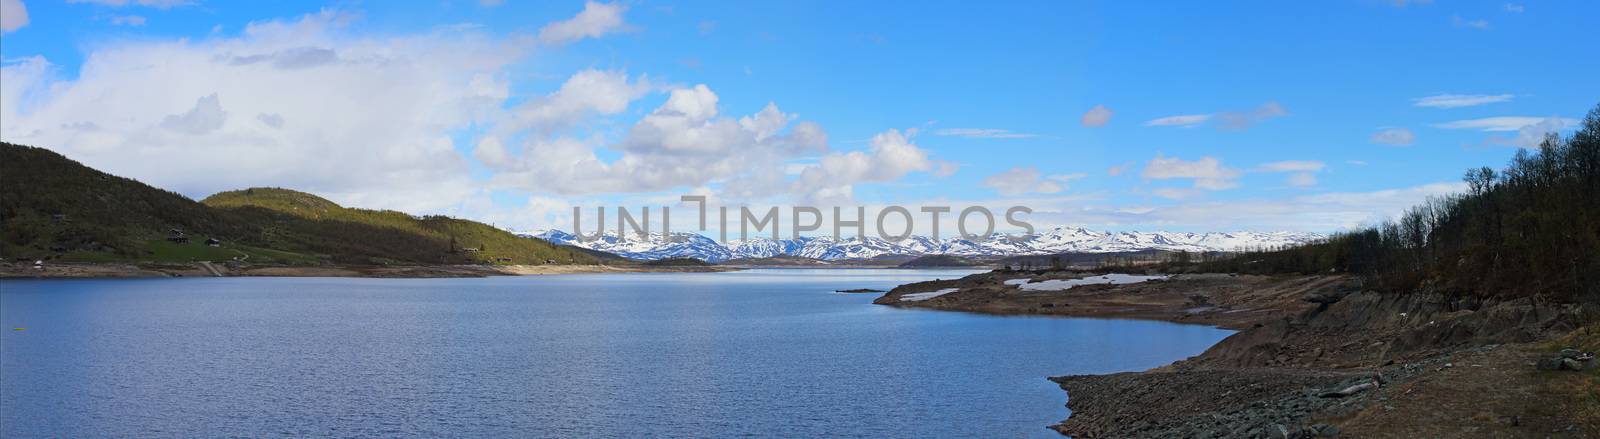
x=13 y=15
x=982 y=133
x=1019 y=180
x=1514 y=8
x=158 y=4
x=1302 y=179
x=1238 y=120
x=205 y=117
x=1325 y=212
x=1479 y=24
x=1459 y=100
x=370 y=128
x=1207 y=173
x=1394 y=136
x=128 y=20
x=586 y=93
x=1302 y=173
x=274 y=120
x=1230 y=120
x=596 y=20
x=1096 y=117
x=1531 y=135
x=1186 y=121
x=1292 y=166
x=687 y=142
x=1502 y=123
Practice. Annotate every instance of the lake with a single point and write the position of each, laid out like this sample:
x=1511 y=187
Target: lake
x=760 y=352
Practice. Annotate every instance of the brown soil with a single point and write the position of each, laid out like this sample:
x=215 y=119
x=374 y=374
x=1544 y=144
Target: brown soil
x=1233 y=302
x=1444 y=367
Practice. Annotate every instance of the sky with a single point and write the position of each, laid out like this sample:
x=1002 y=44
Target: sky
x=1181 y=116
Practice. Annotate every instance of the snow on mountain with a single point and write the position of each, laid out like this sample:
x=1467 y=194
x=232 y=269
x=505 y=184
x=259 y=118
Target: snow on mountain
x=1056 y=240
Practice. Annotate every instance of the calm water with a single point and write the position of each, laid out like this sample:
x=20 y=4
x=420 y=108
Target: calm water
x=766 y=353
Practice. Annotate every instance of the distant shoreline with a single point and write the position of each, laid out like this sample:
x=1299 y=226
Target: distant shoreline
x=117 y=270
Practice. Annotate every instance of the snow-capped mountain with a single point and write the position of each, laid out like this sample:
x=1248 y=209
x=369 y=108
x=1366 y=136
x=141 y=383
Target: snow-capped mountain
x=1056 y=240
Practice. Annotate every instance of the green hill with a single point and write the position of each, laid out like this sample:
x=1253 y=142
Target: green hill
x=55 y=208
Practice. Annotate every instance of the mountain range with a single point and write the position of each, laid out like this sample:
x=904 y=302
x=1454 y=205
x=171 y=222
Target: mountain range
x=1052 y=241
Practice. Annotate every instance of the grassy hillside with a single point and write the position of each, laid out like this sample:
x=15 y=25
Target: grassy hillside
x=54 y=208
x=301 y=222
x=51 y=206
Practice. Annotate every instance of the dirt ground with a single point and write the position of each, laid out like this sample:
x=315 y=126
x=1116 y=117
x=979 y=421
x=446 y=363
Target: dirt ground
x=1423 y=365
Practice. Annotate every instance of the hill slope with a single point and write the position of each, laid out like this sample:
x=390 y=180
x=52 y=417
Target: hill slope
x=55 y=208
x=305 y=222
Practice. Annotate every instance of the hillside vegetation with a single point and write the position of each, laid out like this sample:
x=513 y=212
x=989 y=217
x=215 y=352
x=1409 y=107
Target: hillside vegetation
x=55 y=208
x=1530 y=230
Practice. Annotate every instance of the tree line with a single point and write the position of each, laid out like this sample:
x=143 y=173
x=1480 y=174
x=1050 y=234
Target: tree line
x=1529 y=230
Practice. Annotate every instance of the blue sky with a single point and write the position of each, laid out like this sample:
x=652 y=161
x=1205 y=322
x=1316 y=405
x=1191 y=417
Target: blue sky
x=1277 y=115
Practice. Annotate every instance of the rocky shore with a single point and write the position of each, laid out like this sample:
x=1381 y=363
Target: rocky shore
x=1314 y=356
x=205 y=269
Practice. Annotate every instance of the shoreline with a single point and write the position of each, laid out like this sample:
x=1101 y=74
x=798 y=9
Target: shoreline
x=129 y=270
x=1300 y=342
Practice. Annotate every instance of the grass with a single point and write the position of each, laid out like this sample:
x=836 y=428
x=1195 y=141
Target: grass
x=1581 y=386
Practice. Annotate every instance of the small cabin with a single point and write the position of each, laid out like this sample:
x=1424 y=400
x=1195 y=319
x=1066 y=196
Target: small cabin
x=213 y=242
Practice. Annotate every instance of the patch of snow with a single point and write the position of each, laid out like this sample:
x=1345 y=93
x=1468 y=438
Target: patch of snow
x=1066 y=284
x=918 y=297
x=1016 y=281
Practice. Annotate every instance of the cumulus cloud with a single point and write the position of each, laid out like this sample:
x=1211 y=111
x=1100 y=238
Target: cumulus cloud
x=982 y=133
x=586 y=93
x=373 y=129
x=596 y=20
x=1207 y=172
x=1096 y=117
x=1531 y=135
x=1394 y=136
x=205 y=117
x=688 y=142
x=13 y=15
x=1019 y=180
x=1503 y=123
x=1459 y=100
